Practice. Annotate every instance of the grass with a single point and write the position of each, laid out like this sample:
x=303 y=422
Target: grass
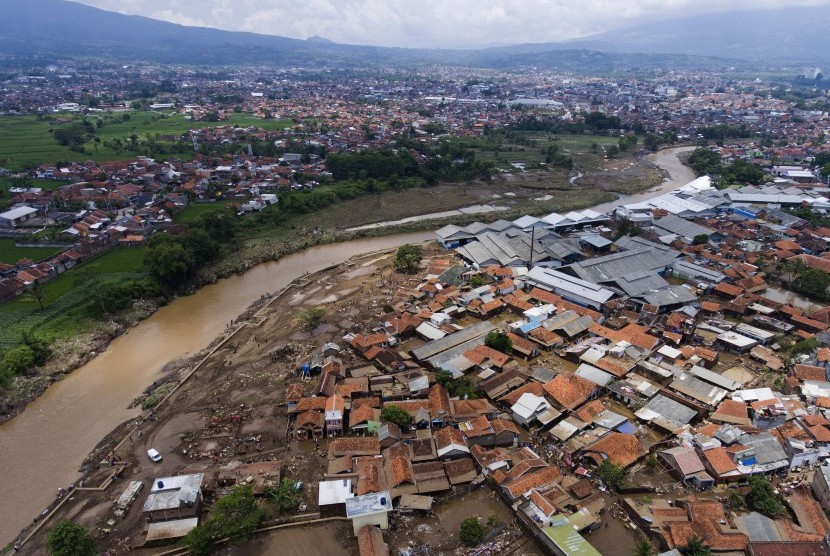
x=67 y=303
x=11 y=254
x=194 y=211
x=27 y=140
x=577 y=147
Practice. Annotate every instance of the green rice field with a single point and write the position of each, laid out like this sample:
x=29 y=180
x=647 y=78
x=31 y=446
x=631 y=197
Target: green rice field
x=25 y=140
x=66 y=300
x=11 y=254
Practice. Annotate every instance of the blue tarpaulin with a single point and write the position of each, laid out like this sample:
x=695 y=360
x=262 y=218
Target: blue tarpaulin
x=627 y=428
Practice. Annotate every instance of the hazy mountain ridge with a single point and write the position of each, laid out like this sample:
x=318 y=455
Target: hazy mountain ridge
x=56 y=28
x=791 y=35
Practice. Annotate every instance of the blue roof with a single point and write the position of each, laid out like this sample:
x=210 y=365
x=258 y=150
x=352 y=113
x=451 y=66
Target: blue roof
x=532 y=325
x=627 y=428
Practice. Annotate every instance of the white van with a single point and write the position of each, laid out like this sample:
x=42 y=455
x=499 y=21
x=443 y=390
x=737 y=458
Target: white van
x=154 y=455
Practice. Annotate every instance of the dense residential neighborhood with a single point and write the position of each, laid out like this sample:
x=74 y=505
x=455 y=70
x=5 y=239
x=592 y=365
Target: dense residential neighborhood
x=550 y=343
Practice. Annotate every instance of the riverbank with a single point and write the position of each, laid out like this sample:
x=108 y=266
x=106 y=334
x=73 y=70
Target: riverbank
x=535 y=193
x=74 y=414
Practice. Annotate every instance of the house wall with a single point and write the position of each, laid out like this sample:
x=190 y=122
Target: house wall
x=803 y=459
x=821 y=488
x=381 y=519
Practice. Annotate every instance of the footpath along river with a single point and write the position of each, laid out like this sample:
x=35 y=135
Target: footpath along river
x=42 y=448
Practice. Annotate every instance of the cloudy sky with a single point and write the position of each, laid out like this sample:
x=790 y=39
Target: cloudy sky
x=427 y=23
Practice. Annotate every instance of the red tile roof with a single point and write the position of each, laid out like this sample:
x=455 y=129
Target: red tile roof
x=569 y=390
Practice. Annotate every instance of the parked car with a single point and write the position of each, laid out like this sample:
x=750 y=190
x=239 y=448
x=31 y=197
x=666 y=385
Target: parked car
x=154 y=455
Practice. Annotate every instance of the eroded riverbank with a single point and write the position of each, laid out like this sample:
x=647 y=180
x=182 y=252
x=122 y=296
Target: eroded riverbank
x=41 y=449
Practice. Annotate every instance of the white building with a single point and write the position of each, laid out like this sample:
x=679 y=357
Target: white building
x=528 y=407
x=369 y=509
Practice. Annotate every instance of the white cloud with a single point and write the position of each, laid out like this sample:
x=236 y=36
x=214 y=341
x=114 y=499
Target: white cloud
x=427 y=23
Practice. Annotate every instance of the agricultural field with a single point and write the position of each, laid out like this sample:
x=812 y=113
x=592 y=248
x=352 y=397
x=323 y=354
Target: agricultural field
x=524 y=149
x=66 y=299
x=27 y=140
x=10 y=254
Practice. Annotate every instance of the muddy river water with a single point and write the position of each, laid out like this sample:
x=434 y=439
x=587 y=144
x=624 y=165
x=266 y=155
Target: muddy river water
x=42 y=448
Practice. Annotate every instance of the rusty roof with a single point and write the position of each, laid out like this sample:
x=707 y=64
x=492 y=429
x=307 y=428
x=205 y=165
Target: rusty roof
x=719 y=460
x=621 y=449
x=537 y=479
x=569 y=390
x=370 y=542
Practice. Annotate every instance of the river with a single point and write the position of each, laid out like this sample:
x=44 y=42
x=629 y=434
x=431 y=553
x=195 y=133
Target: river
x=668 y=160
x=42 y=448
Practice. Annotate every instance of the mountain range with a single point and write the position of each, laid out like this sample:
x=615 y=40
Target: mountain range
x=58 y=29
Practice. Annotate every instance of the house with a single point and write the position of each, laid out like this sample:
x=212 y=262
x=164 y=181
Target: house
x=821 y=485
x=332 y=495
x=335 y=406
x=569 y=391
x=621 y=449
x=731 y=411
x=16 y=217
x=528 y=408
x=369 y=509
x=684 y=464
x=450 y=443
x=353 y=447
x=460 y=471
x=500 y=384
x=370 y=542
x=484 y=432
x=174 y=498
x=522 y=346
x=309 y=425
x=363 y=413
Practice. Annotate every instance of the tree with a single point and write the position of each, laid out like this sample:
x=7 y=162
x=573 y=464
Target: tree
x=703 y=161
x=476 y=280
x=612 y=151
x=696 y=547
x=169 y=263
x=611 y=474
x=407 y=258
x=18 y=359
x=472 y=531
x=735 y=501
x=286 y=496
x=651 y=461
x=233 y=517
x=813 y=282
x=762 y=498
x=643 y=548
x=37 y=294
x=700 y=239
x=498 y=341
x=443 y=377
x=70 y=539
x=39 y=346
x=199 y=540
x=71 y=135
x=807 y=345
x=394 y=414
x=652 y=142
x=312 y=317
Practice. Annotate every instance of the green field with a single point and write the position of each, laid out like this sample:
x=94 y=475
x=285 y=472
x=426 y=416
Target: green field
x=11 y=254
x=26 y=140
x=66 y=299
x=194 y=211
x=504 y=152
